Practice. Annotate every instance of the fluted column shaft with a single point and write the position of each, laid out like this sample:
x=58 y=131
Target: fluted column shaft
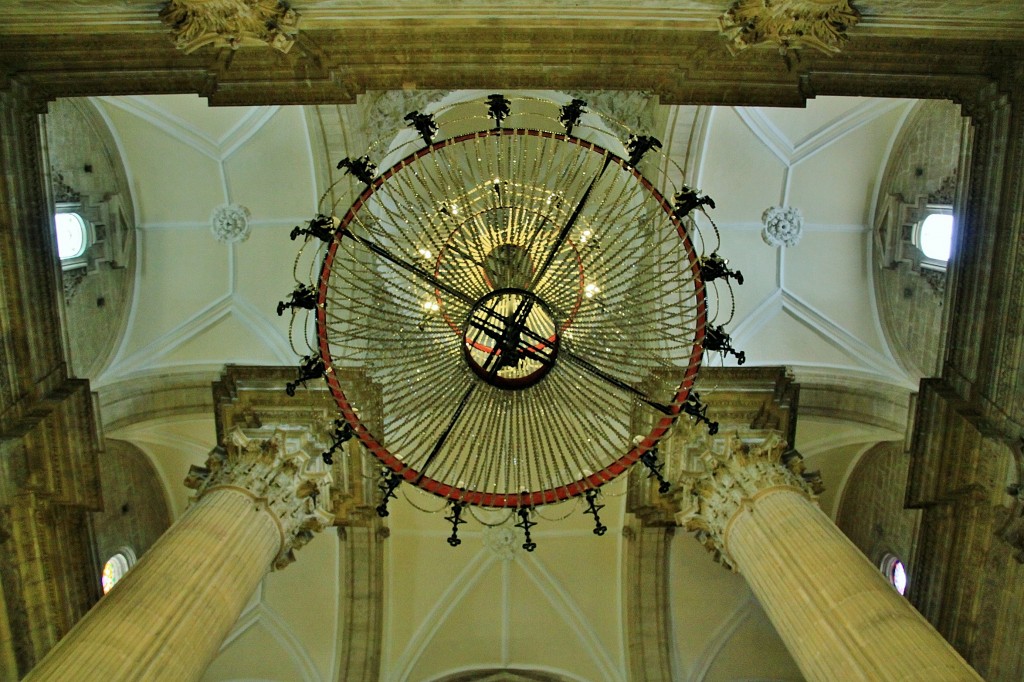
x=258 y=500
x=167 y=618
x=835 y=611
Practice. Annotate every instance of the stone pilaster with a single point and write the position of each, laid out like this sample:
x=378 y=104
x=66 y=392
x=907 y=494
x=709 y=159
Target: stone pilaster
x=49 y=442
x=836 y=613
x=648 y=620
x=257 y=500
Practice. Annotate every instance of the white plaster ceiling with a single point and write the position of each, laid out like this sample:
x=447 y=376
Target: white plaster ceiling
x=200 y=304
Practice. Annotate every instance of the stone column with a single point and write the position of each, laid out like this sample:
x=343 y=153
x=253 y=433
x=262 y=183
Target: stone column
x=836 y=613
x=256 y=501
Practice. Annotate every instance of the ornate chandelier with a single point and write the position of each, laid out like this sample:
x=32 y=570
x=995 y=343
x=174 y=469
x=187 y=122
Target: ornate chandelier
x=517 y=292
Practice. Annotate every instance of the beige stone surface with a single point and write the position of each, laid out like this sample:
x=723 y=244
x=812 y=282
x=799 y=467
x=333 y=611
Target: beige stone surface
x=214 y=557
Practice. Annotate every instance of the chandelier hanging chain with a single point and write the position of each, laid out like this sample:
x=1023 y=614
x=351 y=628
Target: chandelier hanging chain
x=618 y=383
x=556 y=245
x=447 y=432
x=411 y=267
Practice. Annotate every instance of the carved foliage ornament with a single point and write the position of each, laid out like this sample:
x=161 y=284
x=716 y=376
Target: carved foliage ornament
x=284 y=473
x=734 y=476
x=230 y=223
x=789 y=24
x=783 y=225
x=230 y=23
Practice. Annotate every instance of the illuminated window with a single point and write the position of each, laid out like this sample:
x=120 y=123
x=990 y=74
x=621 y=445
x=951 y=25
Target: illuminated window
x=72 y=235
x=896 y=572
x=115 y=568
x=934 y=236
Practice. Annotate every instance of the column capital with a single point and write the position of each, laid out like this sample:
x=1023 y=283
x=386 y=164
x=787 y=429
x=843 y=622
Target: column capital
x=283 y=473
x=738 y=471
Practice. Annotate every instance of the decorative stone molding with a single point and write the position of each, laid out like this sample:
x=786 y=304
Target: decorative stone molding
x=230 y=223
x=283 y=473
x=789 y=24
x=502 y=541
x=63 y=193
x=254 y=398
x=385 y=115
x=734 y=476
x=230 y=23
x=746 y=401
x=634 y=110
x=72 y=280
x=783 y=225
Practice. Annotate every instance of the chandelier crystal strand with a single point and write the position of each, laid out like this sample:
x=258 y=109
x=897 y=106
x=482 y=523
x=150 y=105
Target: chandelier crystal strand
x=512 y=290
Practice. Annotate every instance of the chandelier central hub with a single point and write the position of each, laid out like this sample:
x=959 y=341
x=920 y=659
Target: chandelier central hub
x=510 y=339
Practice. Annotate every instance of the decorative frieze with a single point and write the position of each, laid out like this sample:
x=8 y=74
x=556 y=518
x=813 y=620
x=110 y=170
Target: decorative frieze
x=789 y=24
x=284 y=474
x=735 y=475
x=230 y=23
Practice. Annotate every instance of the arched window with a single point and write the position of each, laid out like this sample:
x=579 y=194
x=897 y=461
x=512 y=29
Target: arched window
x=896 y=572
x=933 y=235
x=74 y=236
x=116 y=567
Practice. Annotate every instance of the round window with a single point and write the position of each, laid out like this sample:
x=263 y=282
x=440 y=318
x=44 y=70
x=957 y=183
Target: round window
x=896 y=572
x=115 y=568
x=71 y=235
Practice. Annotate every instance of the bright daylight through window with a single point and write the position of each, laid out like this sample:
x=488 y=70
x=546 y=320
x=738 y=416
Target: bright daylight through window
x=114 y=570
x=896 y=572
x=935 y=235
x=71 y=235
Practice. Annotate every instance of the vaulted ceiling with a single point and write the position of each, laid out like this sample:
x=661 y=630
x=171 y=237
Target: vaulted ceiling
x=199 y=303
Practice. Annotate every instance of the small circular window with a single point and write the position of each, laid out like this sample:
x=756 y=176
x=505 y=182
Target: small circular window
x=115 y=568
x=934 y=236
x=72 y=235
x=896 y=572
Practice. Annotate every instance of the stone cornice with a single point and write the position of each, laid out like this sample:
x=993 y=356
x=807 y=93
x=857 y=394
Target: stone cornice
x=336 y=65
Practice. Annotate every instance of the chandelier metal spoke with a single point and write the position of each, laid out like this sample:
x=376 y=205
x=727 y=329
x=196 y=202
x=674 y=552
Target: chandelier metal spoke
x=516 y=297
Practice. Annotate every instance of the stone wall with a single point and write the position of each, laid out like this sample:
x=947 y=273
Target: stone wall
x=922 y=169
x=135 y=510
x=97 y=297
x=871 y=511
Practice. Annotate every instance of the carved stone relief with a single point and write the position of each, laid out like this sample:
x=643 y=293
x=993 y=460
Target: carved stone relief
x=633 y=110
x=283 y=472
x=230 y=223
x=783 y=225
x=230 y=23
x=789 y=24
x=735 y=473
x=502 y=540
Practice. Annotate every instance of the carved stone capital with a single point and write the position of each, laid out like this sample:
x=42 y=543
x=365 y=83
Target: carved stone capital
x=285 y=476
x=230 y=23
x=789 y=24
x=735 y=476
